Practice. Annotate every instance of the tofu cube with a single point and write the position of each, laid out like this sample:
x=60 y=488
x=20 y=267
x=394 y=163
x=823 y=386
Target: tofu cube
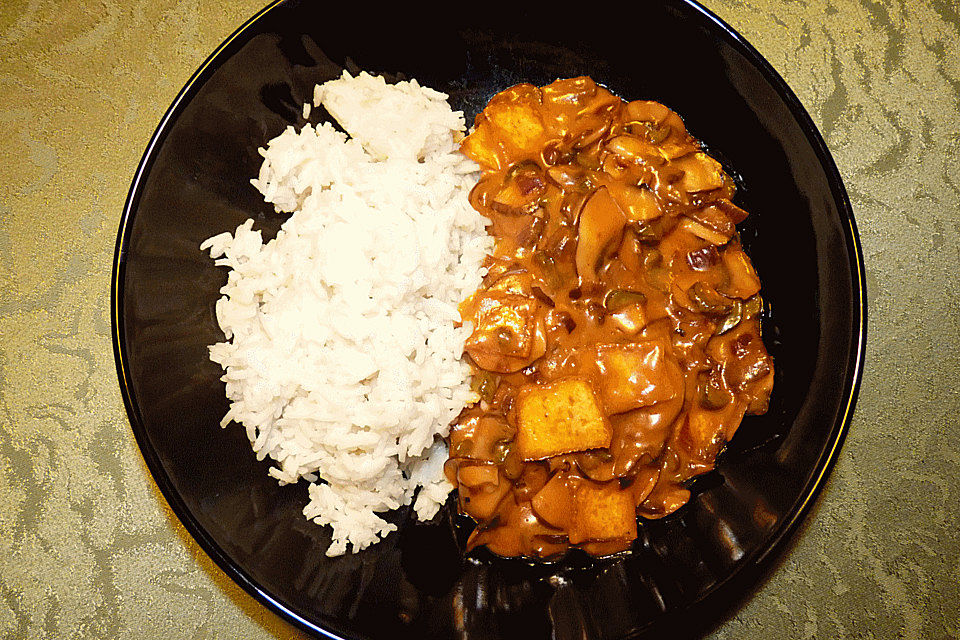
x=603 y=511
x=519 y=123
x=507 y=130
x=484 y=147
x=504 y=336
x=560 y=417
x=635 y=375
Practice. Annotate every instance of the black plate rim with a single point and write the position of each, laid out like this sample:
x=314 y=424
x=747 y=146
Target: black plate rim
x=754 y=566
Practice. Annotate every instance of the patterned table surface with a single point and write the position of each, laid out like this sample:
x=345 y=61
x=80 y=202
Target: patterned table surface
x=91 y=549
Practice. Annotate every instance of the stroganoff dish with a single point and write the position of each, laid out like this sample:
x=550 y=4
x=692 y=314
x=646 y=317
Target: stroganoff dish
x=616 y=343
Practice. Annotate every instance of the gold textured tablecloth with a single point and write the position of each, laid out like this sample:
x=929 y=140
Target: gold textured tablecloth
x=89 y=548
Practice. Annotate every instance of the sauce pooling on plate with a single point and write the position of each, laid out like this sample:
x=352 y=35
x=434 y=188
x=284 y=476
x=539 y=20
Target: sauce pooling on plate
x=617 y=338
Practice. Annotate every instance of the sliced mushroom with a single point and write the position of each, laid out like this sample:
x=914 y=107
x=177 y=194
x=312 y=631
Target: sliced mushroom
x=521 y=190
x=618 y=299
x=744 y=282
x=705 y=298
x=712 y=393
x=477 y=475
x=630 y=148
x=567 y=176
x=703 y=259
x=732 y=319
x=554 y=502
x=714 y=218
x=703 y=232
x=700 y=172
x=639 y=204
x=647 y=111
x=735 y=213
x=601 y=225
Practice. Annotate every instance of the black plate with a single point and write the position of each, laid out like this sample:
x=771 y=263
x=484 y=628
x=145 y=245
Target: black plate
x=193 y=182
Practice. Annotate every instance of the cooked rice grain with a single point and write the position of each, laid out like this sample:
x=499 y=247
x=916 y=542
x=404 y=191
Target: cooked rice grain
x=342 y=356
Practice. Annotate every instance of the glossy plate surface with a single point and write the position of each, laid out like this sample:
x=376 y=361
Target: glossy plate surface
x=685 y=570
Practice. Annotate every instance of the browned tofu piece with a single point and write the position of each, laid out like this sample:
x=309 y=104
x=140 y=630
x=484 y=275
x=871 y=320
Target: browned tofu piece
x=508 y=129
x=516 y=114
x=484 y=147
x=505 y=338
x=603 y=511
x=557 y=418
x=505 y=324
x=635 y=375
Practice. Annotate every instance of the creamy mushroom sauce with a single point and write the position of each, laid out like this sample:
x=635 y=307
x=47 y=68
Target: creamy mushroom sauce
x=617 y=338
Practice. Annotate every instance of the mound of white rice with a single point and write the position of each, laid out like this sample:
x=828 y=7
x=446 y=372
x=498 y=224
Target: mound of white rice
x=342 y=356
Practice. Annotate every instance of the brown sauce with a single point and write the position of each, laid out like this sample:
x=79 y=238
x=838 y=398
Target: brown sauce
x=616 y=339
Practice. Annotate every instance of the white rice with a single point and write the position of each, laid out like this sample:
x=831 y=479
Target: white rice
x=342 y=356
